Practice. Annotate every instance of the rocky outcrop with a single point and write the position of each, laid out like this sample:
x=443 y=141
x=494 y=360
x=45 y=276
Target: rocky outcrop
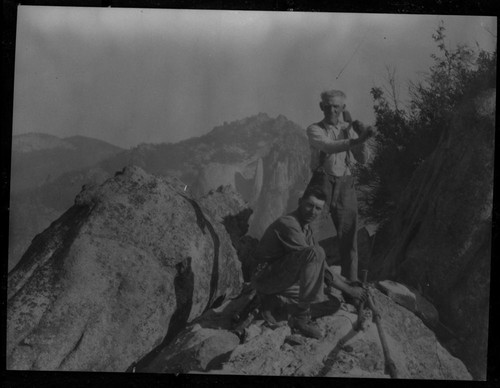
x=268 y=164
x=213 y=175
x=265 y=159
x=32 y=211
x=285 y=176
x=36 y=198
x=139 y=276
x=231 y=211
x=245 y=177
x=209 y=346
x=439 y=242
x=413 y=301
x=121 y=271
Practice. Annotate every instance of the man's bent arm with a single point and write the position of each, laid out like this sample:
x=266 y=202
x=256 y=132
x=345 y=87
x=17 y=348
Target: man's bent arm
x=340 y=284
x=292 y=237
x=319 y=140
x=361 y=152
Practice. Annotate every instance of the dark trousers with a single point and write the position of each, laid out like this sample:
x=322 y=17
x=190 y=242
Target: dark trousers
x=343 y=207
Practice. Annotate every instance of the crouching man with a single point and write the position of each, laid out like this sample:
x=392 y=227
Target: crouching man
x=291 y=266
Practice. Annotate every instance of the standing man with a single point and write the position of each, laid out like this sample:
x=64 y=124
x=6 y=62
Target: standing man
x=336 y=143
x=291 y=267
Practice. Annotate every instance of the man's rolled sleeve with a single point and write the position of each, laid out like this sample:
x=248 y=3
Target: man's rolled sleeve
x=291 y=236
x=319 y=140
x=283 y=236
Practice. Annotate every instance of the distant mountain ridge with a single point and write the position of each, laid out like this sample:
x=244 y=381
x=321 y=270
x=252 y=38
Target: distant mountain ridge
x=38 y=141
x=28 y=142
x=265 y=159
x=38 y=158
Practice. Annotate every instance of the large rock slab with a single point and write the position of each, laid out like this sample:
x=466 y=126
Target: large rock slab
x=439 y=241
x=226 y=209
x=129 y=264
x=399 y=293
x=203 y=345
x=342 y=352
x=413 y=347
x=412 y=300
x=198 y=349
x=36 y=161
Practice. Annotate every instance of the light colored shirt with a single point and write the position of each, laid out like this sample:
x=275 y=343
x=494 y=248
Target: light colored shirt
x=334 y=141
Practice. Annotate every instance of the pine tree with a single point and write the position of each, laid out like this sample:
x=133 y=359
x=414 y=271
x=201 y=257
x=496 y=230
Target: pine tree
x=407 y=135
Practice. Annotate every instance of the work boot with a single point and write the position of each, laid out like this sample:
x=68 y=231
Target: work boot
x=271 y=309
x=301 y=322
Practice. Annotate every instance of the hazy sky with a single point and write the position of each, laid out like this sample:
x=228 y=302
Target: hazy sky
x=131 y=76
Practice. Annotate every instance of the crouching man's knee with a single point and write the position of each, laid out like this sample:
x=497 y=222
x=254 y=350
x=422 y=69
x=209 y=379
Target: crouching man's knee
x=316 y=254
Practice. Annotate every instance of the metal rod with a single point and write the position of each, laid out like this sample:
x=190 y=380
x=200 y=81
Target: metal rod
x=390 y=365
x=361 y=306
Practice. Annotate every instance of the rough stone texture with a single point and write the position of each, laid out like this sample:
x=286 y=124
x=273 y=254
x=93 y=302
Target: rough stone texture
x=202 y=345
x=37 y=161
x=27 y=218
x=440 y=239
x=130 y=263
x=412 y=300
x=414 y=348
x=399 y=294
x=226 y=208
x=426 y=311
x=32 y=211
x=278 y=352
x=198 y=349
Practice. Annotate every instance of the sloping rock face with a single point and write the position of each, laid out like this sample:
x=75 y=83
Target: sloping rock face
x=128 y=265
x=38 y=160
x=265 y=159
x=440 y=239
x=208 y=346
x=231 y=211
x=413 y=301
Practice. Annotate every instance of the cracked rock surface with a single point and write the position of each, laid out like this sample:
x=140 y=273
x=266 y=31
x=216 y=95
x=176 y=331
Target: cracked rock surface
x=342 y=352
x=131 y=262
